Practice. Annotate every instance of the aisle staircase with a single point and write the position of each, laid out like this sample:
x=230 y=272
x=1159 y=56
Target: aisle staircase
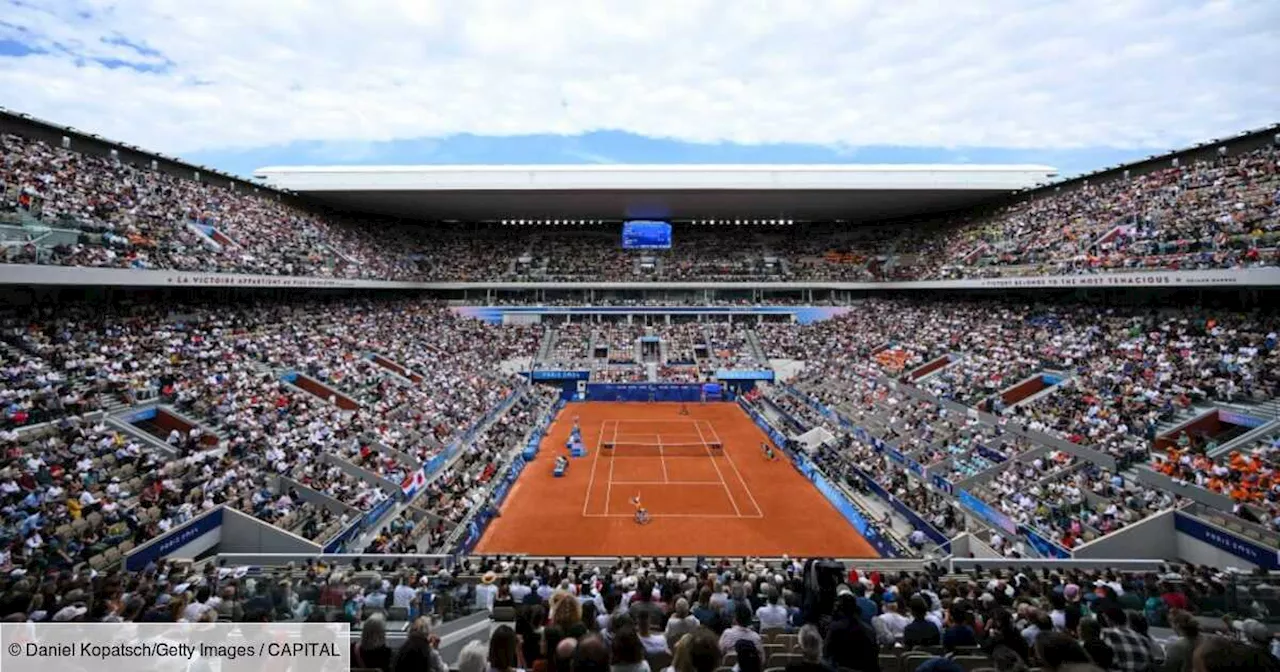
x=757 y=350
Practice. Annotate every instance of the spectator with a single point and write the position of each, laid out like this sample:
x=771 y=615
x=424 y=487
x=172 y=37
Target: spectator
x=474 y=657
x=920 y=631
x=652 y=642
x=741 y=629
x=627 y=650
x=850 y=643
x=809 y=641
x=772 y=615
x=1098 y=649
x=702 y=651
x=504 y=651
x=1059 y=651
x=1133 y=652
x=1219 y=654
x=749 y=657
x=420 y=650
x=682 y=622
x=371 y=651
x=1178 y=656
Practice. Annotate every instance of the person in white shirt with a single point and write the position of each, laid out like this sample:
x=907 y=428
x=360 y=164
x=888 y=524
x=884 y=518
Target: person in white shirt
x=890 y=625
x=681 y=622
x=772 y=615
x=487 y=591
x=519 y=590
x=403 y=594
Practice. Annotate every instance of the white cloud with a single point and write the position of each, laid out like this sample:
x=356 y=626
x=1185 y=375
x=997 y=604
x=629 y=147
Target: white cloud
x=1002 y=73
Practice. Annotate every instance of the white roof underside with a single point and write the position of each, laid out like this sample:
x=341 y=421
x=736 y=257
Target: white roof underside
x=852 y=193
x=304 y=179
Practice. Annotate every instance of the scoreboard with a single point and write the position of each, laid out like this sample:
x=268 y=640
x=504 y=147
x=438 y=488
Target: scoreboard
x=645 y=234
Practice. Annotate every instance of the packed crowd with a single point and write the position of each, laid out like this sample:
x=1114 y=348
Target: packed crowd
x=226 y=366
x=1125 y=371
x=449 y=498
x=1221 y=213
x=667 y=615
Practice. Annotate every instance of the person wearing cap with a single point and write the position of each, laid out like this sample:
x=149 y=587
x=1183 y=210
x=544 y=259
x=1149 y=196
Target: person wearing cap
x=890 y=625
x=487 y=590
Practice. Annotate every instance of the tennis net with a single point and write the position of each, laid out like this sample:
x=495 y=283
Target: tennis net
x=634 y=449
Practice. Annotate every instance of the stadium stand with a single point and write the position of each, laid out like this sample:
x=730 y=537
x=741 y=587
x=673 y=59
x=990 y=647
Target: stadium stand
x=63 y=207
x=1025 y=429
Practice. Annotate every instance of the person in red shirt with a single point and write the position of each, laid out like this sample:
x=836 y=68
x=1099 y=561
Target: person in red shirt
x=1174 y=598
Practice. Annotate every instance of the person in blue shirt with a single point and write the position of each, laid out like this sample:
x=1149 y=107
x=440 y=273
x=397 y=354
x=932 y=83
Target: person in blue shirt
x=866 y=607
x=959 y=632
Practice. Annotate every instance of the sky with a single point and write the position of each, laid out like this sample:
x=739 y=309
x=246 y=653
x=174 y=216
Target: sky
x=237 y=85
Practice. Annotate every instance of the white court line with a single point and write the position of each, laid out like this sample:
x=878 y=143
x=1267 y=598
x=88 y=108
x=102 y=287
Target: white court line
x=662 y=456
x=718 y=472
x=596 y=460
x=667 y=483
x=650 y=457
x=608 y=491
x=651 y=422
x=671 y=515
x=733 y=464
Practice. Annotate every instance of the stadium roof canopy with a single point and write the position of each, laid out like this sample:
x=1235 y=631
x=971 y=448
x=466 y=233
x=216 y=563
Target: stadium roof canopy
x=675 y=192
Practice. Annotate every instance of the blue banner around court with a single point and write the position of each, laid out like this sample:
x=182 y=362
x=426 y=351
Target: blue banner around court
x=1223 y=540
x=905 y=511
x=728 y=374
x=649 y=392
x=986 y=512
x=543 y=376
x=990 y=454
x=1043 y=544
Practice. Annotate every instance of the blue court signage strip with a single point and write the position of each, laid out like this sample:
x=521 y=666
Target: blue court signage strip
x=544 y=376
x=1043 y=544
x=903 y=510
x=990 y=454
x=159 y=548
x=987 y=512
x=141 y=415
x=846 y=508
x=726 y=374
x=1245 y=549
x=686 y=392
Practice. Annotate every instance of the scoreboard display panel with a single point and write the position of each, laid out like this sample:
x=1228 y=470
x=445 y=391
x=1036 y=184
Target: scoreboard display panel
x=645 y=234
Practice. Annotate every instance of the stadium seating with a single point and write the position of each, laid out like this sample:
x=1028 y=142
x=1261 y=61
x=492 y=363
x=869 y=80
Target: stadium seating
x=61 y=207
x=310 y=413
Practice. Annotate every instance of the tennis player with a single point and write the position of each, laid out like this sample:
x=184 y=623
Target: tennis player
x=642 y=514
x=768 y=451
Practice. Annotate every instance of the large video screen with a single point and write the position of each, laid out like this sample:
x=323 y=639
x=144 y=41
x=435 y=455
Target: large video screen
x=644 y=234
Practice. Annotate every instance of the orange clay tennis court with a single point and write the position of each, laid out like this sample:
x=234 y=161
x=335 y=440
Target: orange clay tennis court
x=702 y=500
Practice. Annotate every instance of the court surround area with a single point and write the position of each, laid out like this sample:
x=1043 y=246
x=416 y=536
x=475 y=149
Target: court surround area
x=703 y=477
